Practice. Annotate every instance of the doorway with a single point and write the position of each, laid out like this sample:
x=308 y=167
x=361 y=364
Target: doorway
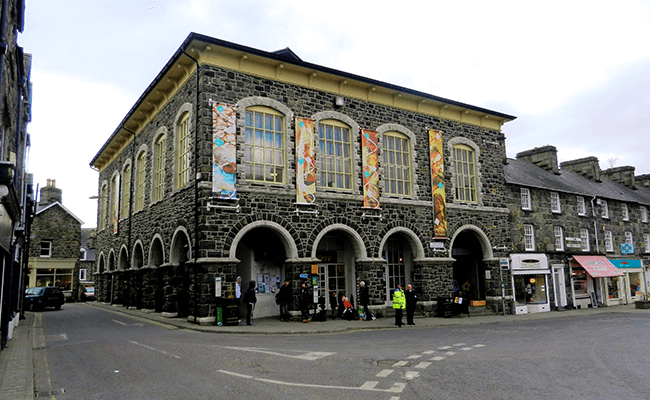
x=468 y=267
x=559 y=286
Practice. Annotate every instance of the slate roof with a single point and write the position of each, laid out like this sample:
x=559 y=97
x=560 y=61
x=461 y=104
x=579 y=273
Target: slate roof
x=526 y=174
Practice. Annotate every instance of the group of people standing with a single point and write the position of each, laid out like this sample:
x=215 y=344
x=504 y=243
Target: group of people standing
x=340 y=304
x=404 y=301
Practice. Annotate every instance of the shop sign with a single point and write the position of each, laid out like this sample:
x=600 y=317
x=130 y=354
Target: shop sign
x=217 y=286
x=304 y=276
x=327 y=256
x=627 y=248
x=573 y=242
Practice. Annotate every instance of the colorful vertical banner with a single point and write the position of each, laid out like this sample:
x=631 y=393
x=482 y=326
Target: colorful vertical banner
x=305 y=161
x=438 y=184
x=224 y=147
x=116 y=204
x=370 y=156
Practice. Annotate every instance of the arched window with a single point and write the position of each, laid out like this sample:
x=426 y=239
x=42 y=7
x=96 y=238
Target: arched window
x=264 y=157
x=126 y=191
x=335 y=155
x=465 y=174
x=159 y=168
x=114 y=209
x=183 y=151
x=397 y=164
x=103 y=206
x=141 y=164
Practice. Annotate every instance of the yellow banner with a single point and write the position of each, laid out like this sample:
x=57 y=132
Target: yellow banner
x=438 y=184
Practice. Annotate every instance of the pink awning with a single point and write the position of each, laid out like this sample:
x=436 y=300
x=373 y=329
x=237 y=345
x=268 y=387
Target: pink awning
x=597 y=266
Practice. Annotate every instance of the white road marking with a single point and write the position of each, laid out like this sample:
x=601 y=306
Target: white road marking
x=119 y=322
x=400 y=364
x=307 y=355
x=428 y=352
x=125 y=324
x=414 y=356
x=466 y=348
x=444 y=347
x=411 y=375
x=423 y=365
x=398 y=387
x=479 y=345
x=449 y=353
x=459 y=344
x=438 y=358
x=369 y=385
x=384 y=373
x=154 y=349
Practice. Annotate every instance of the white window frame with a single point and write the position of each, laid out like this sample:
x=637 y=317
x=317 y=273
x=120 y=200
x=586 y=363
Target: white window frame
x=558 y=232
x=604 y=210
x=609 y=241
x=529 y=237
x=47 y=249
x=644 y=214
x=526 y=203
x=83 y=254
x=555 y=203
x=584 y=237
x=629 y=239
x=646 y=242
x=83 y=274
x=581 y=205
x=625 y=211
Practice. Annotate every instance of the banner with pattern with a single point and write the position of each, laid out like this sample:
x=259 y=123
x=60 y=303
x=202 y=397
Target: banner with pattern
x=305 y=161
x=369 y=152
x=438 y=184
x=116 y=204
x=224 y=145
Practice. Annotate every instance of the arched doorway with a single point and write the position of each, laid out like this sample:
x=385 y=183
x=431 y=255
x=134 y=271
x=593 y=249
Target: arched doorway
x=135 y=283
x=262 y=253
x=176 y=279
x=468 y=267
x=399 y=263
x=152 y=284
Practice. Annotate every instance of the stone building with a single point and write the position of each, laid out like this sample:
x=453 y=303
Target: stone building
x=85 y=266
x=580 y=235
x=56 y=242
x=16 y=196
x=241 y=162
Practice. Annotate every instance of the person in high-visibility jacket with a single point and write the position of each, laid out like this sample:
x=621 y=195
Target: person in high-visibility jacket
x=399 y=304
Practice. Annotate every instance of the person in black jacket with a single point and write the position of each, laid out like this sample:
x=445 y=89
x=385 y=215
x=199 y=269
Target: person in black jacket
x=411 y=299
x=333 y=302
x=364 y=300
x=284 y=299
x=305 y=301
x=250 y=298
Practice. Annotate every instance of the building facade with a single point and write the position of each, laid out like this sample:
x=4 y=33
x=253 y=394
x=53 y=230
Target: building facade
x=581 y=236
x=16 y=195
x=54 y=253
x=241 y=162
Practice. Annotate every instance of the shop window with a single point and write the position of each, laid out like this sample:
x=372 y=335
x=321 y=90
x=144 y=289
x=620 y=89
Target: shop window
x=584 y=239
x=555 y=202
x=465 y=174
x=580 y=205
x=614 y=288
x=46 y=248
x=397 y=164
x=525 y=199
x=264 y=156
x=609 y=242
x=58 y=277
x=579 y=278
x=625 y=213
x=530 y=289
x=529 y=238
x=559 y=238
x=335 y=155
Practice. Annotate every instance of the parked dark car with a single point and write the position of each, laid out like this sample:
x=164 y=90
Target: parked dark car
x=37 y=298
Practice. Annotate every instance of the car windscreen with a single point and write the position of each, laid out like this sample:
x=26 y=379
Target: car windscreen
x=34 y=290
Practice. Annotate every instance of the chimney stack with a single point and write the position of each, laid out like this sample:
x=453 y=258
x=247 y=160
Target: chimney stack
x=50 y=193
x=624 y=175
x=544 y=157
x=587 y=167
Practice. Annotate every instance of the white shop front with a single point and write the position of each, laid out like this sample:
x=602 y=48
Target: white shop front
x=634 y=282
x=530 y=274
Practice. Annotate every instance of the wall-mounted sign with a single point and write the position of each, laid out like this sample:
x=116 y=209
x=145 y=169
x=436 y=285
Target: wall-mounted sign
x=304 y=276
x=217 y=286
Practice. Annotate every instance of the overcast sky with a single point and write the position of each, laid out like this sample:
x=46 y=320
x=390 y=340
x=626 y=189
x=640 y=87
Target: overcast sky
x=576 y=74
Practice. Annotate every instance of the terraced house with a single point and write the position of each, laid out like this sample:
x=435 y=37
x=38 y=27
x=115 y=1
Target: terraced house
x=241 y=162
x=581 y=236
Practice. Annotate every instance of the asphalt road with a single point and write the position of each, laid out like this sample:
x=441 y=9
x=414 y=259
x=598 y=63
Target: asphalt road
x=87 y=353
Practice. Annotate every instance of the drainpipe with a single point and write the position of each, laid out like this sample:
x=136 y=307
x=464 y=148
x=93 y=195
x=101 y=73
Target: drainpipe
x=196 y=187
x=593 y=213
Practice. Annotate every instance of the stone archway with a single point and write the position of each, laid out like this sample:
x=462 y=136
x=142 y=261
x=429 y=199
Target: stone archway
x=470 y=248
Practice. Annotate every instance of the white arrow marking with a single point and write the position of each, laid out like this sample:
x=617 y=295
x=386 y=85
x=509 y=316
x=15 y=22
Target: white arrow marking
x=307 y=355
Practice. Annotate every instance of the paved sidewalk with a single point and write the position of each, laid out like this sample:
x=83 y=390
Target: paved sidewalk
x=17 y=365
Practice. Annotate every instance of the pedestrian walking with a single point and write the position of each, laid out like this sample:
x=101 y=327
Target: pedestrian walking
x=411 y=300
x=333 y=302
x=364 y=301
x=283 y=298
x=399 y=304
x=305 y=301
x=250 y=298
